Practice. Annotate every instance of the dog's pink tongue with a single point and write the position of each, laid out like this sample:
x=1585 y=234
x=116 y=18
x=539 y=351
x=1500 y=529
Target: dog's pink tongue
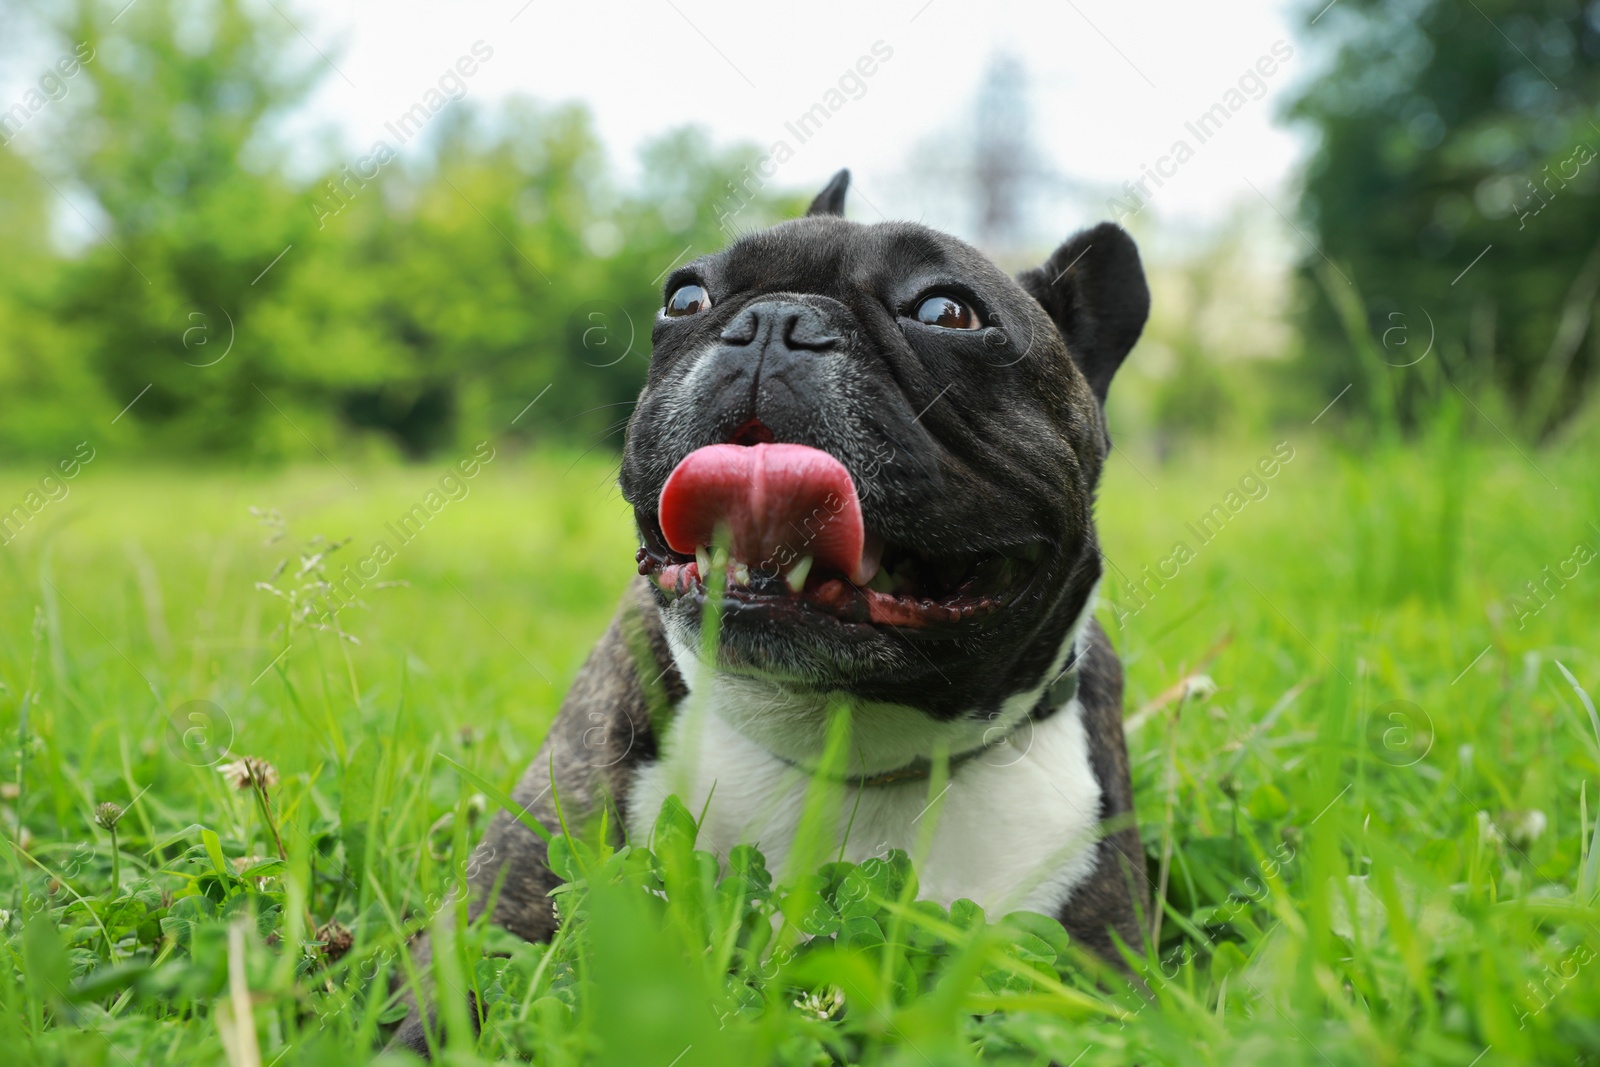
x=768 y=497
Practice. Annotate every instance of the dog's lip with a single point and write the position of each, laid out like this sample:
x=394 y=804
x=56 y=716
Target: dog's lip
x=829 y=595
x=850 y=609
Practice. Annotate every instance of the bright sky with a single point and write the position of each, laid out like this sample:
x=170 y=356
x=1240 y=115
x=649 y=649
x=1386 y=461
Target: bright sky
x=1113 y=83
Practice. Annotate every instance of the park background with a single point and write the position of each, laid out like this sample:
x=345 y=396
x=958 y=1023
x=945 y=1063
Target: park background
x=271 y=273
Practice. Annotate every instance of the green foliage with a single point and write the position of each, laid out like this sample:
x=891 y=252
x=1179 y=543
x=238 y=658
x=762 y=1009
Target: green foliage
x=168 y=134
x=40 y=384
x=1444 y=129
x=413 y=297
x=1377 y=844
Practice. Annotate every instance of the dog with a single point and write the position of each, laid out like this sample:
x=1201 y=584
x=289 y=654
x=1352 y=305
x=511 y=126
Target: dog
x=876 y=454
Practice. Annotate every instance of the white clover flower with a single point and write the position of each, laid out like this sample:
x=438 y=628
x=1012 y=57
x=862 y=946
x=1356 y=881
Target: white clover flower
x=248 y=772
x=822 y=1004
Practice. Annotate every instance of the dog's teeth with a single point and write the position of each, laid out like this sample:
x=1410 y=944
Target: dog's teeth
x=702 y=557
x=797 y=574
x=867 y=566
x=740 y=573
x=883 y=582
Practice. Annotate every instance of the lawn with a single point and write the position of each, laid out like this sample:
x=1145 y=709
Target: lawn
x=1367 y=792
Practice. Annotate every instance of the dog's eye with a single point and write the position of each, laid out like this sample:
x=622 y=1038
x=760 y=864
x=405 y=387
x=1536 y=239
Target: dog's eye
x=948 y=313
x=687 y=300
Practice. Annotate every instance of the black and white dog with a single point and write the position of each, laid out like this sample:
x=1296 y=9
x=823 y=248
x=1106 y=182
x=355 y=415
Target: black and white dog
x=879 y=453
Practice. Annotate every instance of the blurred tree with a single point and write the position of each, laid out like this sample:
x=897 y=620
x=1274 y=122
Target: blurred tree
x=43 y=392
x=998 y=185
x=501 y=268
x=425 y=295
x=1449 y=132
x=171 y=144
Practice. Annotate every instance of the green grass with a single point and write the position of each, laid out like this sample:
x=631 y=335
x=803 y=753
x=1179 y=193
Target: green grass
x=1371 y=814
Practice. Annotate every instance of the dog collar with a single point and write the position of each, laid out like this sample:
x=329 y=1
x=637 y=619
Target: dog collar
x=1055 y=697
x=662 y=690
x=1060 y=691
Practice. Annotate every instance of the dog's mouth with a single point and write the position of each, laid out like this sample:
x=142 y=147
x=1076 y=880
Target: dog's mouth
x=783 y=527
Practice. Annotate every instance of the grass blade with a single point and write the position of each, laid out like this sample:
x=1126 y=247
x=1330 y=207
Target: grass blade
x=500 y=797
x=1590 y=877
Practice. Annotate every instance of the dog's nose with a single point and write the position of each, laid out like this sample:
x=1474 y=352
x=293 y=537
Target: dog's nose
x=782 y=323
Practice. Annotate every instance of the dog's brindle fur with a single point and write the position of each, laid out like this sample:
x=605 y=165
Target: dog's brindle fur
x=603 y=732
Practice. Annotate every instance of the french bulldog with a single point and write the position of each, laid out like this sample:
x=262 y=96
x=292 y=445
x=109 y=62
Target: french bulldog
x=876 y=454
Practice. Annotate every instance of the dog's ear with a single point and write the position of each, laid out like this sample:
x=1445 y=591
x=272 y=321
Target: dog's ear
x=831 y=200
x=1093 y=287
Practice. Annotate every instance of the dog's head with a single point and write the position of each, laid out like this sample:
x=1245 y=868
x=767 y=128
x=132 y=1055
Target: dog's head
x=886 y=449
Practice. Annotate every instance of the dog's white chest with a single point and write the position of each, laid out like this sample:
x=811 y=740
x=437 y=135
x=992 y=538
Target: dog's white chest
x=1015 y=828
